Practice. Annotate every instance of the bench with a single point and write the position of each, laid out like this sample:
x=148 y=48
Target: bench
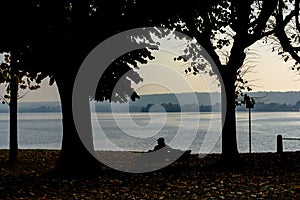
x=165 y=158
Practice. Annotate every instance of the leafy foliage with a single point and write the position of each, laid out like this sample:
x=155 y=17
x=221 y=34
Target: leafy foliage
x=112 y=85
x=9 y=72
x=225 y=30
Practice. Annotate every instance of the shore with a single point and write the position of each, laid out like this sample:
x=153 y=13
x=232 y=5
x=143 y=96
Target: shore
x=266 y=176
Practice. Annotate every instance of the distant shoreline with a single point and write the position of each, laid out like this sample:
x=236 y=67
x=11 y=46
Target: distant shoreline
x=264 y=102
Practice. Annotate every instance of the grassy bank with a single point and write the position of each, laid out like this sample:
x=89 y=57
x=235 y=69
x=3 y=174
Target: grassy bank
x=266 y=176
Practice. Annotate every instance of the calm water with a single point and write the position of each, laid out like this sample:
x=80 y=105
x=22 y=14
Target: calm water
x=138 y=131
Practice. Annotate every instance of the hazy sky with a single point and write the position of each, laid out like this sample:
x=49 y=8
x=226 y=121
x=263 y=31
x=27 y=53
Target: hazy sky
x=269 y=73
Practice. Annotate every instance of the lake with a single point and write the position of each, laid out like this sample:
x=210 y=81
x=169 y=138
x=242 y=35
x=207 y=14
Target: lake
x=199 y=132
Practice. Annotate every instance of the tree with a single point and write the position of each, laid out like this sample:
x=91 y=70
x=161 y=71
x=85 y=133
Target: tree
x=226 y=26
x=63 y=41
x=14 y=78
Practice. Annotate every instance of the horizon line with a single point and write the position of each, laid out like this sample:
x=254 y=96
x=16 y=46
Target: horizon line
x=58 y=100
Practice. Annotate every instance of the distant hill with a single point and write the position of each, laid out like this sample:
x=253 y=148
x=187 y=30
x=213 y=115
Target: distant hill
x=25 y=107
x=204 y=99
x=181 y=98
x=289 y=98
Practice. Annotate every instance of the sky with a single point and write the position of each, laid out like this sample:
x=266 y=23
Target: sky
x=271 y=73
x=268 y=73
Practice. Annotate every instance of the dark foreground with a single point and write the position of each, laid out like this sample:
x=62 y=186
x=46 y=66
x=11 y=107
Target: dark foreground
x=266 y=176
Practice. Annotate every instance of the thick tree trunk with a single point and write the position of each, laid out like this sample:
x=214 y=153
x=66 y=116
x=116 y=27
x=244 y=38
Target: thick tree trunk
x=13 y=120
x=230 y=154
x=75 y=159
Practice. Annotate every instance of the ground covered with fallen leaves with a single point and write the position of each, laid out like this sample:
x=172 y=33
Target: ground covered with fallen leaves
x=266 y=176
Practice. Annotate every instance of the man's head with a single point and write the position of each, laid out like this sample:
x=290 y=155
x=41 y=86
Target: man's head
x=160 y=140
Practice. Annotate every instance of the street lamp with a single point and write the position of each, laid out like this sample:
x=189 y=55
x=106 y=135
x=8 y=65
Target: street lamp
x=249 y=104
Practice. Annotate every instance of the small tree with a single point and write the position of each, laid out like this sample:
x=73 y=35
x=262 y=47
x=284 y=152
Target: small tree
x=14 y=79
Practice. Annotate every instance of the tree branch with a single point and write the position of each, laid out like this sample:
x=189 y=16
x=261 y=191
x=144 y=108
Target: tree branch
x=297 y=4
x=267 y=9
x=281 y=34
x=280 y=24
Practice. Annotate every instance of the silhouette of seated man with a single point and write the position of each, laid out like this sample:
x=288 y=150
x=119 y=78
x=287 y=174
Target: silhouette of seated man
x=169 y=154
x=160 y=144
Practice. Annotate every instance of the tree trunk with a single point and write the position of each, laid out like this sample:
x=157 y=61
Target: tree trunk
x=75 y=159
x=13 y=120
x=230 y=154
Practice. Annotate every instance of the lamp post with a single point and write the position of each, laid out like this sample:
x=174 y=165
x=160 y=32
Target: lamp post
x=249 y=104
